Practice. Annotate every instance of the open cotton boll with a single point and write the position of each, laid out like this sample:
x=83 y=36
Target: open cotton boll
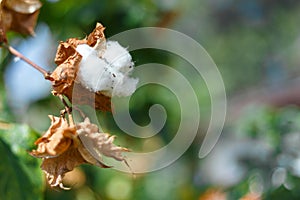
x=91 y=69
x=102 y=75
x=118 y=57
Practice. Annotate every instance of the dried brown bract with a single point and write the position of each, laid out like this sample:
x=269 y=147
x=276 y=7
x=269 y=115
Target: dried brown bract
x=56 y=140
x=65 y=146
x=64 y=75
x=97 y=143
x=56 y=167
x=19 y=16
x=97 y=36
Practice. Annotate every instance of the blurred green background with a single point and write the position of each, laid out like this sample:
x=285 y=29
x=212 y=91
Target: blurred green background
x=254 y=43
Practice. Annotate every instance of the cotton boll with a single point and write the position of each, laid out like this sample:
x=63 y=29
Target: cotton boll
x=118 y=57
x=108 y=74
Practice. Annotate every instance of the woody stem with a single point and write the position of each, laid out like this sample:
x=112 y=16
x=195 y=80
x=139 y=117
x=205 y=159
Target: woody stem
x=24 y=58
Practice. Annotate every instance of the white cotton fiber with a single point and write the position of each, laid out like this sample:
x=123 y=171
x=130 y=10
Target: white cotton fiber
x=118 y=56
x=108 y=74
x=126 y=86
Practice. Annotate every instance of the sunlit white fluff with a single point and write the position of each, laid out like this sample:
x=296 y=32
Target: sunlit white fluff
x=108 y=73
x=118 y=57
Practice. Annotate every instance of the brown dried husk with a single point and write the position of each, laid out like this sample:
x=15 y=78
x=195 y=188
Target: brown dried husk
x=97 y=35
x=99 y=144
x=19 y=16
x=55 y=168
x=23 y=6
x=56 y=140
x=62 y=149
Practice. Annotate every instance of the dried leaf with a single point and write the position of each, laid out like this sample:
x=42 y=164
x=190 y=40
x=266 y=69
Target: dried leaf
x=56 y=140
x=89 y=158
x=62 y=150
x=64 y=75
x=5 y=21
x=23 y=6
x=66 y=49
x=97 y=143
x=24 y=23
x=19 y=16
x=55 y=168
x=3 y=38
x=97 y=36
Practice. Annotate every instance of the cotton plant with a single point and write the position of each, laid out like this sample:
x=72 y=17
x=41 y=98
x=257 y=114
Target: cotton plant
x=102 y=69
x=89 y=71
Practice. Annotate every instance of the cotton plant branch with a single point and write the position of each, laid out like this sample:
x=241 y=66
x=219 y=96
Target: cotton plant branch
x=101 y=68
x=18 y=54
x=46 y=74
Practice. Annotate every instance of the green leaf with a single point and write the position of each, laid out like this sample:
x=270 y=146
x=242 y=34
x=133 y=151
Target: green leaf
x=14 y=182
x=22 y=177
x=283 y=193
x=5 y=111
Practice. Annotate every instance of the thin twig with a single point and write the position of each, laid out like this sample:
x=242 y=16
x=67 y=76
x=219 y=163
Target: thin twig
x=80 y=112
x=24 y=58
x=68 y=109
